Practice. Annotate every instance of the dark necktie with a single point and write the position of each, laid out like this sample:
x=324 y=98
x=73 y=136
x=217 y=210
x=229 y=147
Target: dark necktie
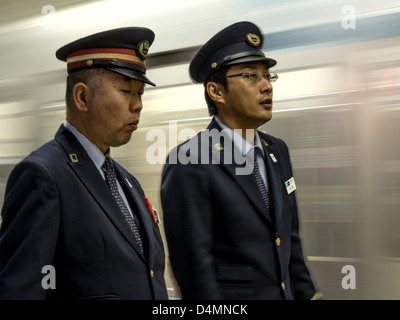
x=259 y=180
x=111 y=177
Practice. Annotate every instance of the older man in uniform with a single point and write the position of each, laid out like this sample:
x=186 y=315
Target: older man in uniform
x=76 y=225
x=231 y=222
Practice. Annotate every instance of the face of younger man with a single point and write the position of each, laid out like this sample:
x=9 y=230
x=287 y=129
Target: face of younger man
x=247 y=104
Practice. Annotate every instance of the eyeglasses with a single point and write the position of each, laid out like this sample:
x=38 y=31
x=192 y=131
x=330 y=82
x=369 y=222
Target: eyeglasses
x=271 y=77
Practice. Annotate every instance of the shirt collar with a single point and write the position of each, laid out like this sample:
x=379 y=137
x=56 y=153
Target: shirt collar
x=239 y=141
x=93 y=151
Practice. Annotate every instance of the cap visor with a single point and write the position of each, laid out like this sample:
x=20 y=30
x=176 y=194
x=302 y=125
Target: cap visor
x=269 y=62
x=132 y=74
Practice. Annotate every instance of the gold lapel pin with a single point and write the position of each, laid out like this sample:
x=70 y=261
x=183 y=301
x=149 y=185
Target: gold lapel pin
x=218 y=146
x=74 y=157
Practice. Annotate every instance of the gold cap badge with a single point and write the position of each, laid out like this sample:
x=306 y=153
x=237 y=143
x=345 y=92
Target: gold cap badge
x=253 y=39
x=143 y=49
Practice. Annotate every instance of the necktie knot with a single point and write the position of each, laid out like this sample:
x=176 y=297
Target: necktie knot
x=257 y=152
x=109 y=172
x=108 y=164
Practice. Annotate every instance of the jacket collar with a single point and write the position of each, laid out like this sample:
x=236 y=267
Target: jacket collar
x=246 y=181
x=85 y=170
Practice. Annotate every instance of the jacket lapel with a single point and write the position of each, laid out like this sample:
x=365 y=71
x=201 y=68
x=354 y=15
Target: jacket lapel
x=245 y=181
x=84 y=168
x=134 y=196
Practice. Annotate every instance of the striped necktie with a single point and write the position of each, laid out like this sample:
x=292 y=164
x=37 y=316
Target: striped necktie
x=111 y=177
x=259 y=180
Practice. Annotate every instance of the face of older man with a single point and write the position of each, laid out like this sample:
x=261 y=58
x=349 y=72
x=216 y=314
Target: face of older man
x=112 y=110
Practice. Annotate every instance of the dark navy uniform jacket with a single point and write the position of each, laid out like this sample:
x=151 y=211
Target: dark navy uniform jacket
x=58 y=211
x=222 y=242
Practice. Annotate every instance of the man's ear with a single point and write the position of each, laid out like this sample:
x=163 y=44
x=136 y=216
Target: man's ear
x=80 y=94
x=215 y=92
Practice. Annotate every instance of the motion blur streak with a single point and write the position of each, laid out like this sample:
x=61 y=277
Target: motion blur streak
x=336 y=104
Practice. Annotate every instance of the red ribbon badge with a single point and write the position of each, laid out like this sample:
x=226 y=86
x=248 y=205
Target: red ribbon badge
x=151 y=211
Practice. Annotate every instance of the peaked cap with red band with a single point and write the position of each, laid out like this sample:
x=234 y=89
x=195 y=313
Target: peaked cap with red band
x=122 y=50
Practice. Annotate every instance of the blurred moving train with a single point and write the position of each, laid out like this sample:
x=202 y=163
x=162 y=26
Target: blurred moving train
x=336 y=104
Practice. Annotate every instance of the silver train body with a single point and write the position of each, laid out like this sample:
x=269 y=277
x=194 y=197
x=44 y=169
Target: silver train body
x=336 y=104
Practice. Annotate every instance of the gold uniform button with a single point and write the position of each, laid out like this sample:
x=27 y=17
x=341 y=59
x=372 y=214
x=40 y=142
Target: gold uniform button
x=283 y=286
x=151 y=273
x=278 y=242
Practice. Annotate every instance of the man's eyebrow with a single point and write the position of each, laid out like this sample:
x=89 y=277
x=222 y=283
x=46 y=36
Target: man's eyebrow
x=126 y=78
